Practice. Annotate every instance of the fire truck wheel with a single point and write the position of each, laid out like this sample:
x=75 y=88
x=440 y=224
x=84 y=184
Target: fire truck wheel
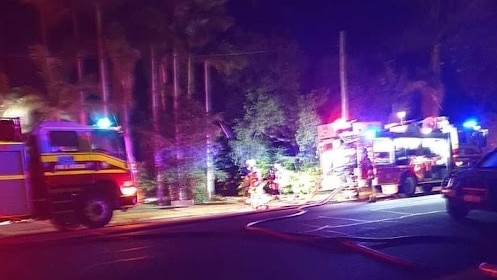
x=96 y=210
x=455 y=210
x=408 y=186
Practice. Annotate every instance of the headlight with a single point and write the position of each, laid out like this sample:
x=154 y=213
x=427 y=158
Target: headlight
x=128 y=189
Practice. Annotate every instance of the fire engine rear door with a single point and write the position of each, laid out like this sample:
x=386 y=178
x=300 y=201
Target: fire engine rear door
x=15 y=195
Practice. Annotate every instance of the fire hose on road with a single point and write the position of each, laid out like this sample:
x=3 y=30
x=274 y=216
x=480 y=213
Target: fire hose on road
x=353 y=242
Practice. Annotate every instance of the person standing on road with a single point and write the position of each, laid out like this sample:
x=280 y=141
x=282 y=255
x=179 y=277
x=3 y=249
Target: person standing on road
x=367 y=174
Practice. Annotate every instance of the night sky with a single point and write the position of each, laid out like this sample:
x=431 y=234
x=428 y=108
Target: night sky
x=372 y=26
x=17 y=32
x=316 y=23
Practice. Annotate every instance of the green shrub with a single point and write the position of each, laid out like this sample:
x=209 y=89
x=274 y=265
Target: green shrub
x=298 y=182
x=146 y=181
x=200 y=194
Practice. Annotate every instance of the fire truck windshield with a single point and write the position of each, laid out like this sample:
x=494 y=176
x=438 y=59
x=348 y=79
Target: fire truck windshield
x=473 y=137
x=109 y=142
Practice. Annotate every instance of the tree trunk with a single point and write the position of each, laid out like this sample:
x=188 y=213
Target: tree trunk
x=433 y=92
x=176 y=104
x=83 y=119
x=182 y=189
x=101 y=60
x=164 y=80
x=78 y=60
x=155 y=122
x=127 y=86
x=128 y=143
x=191 y=78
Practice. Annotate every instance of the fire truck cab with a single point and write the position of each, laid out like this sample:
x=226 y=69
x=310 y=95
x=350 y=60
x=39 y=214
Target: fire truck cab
x=405 y=155
x=411 y=155
x=69 y=173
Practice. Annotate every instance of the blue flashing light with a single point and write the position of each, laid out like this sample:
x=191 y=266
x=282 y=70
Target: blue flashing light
x=471 y=123
x=104 y=123
x=370 y=133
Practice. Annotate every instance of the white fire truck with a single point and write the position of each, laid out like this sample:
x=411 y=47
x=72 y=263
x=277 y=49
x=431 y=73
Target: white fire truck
x=405 y=155
x=66 y=172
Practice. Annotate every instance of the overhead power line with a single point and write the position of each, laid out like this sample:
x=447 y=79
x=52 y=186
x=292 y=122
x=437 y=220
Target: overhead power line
x=240 y=53
x=237 y=53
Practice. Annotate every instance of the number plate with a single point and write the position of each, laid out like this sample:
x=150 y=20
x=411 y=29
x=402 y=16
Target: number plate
x=472 y=198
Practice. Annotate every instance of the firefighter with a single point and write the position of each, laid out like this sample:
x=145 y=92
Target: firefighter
x=274 y=177
x=253 y=177
x=257 y=196
x=367 y=174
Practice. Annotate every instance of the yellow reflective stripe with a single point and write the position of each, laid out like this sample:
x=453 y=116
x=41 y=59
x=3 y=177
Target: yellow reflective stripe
x=12 y=177
x=86 y=157
x=84 y=172
x=109 y=159
x=55 y=156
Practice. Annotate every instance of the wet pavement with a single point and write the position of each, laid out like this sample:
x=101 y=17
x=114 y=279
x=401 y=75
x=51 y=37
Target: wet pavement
x=150 y=213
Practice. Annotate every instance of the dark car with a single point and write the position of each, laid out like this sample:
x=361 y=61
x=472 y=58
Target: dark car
x=474 y=187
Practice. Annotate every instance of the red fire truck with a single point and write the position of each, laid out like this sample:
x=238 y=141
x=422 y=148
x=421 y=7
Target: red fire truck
x=66 y=172
x=406 y=155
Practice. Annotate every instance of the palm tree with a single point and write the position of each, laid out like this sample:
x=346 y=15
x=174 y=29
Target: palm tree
x=50 y=13
x=123 y=59
x=427 y=33
x=78 y=49
x=177 y=30
x=53 y=12
x=59 y=92
x=97 y=8
x=223 y=65
x=195 y=25
x=101 y=59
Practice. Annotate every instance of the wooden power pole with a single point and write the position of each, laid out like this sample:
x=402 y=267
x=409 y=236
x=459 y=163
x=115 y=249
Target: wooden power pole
x=209 y=157
x=343 y=78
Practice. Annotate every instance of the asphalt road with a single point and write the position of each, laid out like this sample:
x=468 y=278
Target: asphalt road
x=398 y=239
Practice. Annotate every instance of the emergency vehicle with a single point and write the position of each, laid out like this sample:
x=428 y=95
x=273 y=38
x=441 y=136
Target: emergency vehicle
x=66 y=172
x=405 y=155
